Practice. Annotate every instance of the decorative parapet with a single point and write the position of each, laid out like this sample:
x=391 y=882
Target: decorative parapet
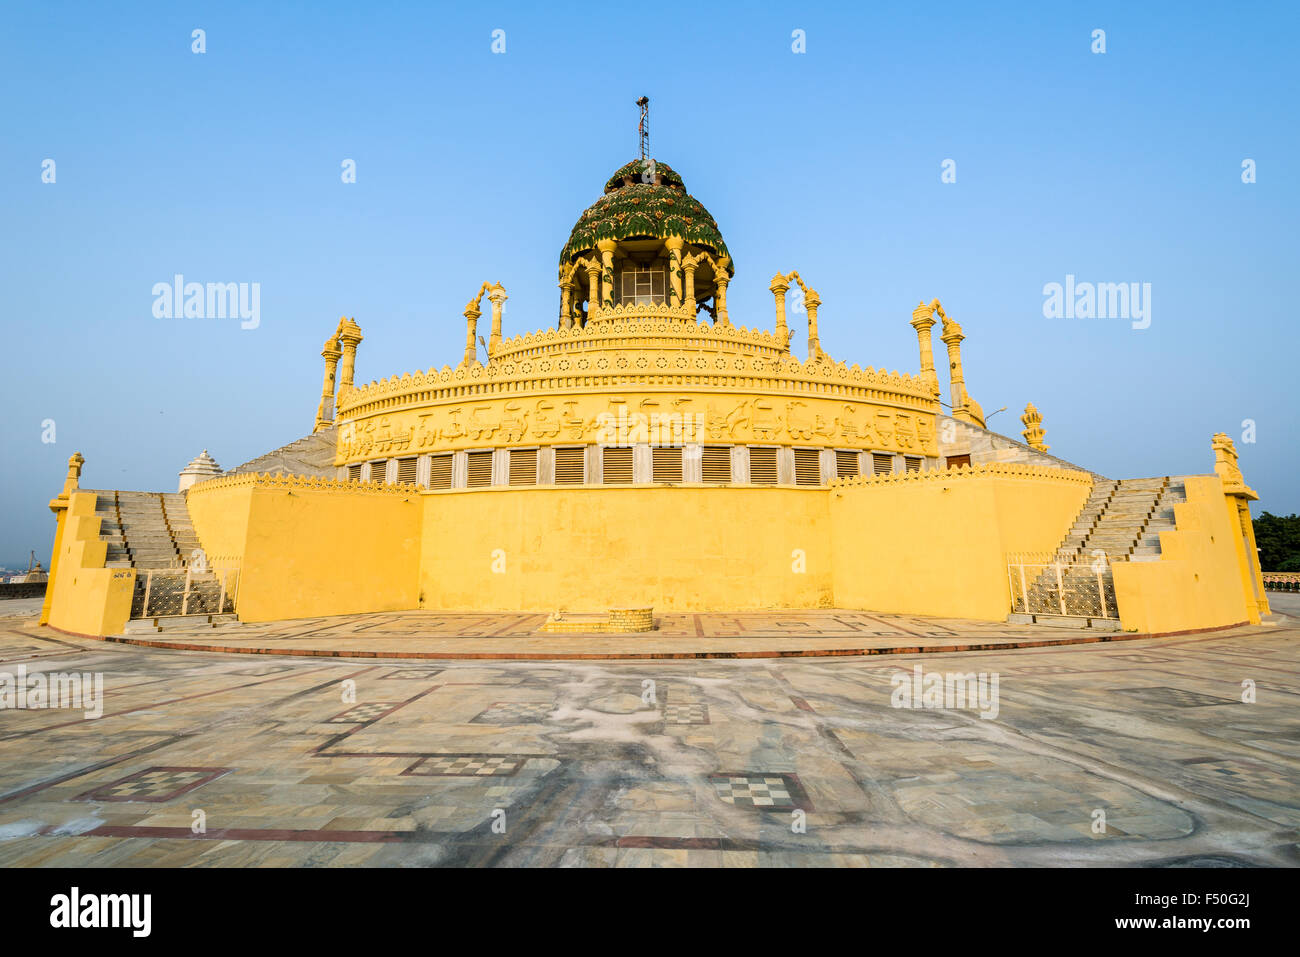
x=633 y=324
x=546 y=359
x=989 y=470
x=629 y=311
x=306 y=483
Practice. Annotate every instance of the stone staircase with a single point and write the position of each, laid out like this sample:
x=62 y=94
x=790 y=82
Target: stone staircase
x=145 y=530
x=1122 y=520
x=152 y=533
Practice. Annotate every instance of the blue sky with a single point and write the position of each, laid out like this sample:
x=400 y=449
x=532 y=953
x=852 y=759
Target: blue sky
x=471 y=166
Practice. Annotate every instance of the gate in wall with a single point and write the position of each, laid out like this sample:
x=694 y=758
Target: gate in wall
x=176 y=592
x=1064 y=589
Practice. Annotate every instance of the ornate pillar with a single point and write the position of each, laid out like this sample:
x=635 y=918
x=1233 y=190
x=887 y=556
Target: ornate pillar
x=498 y=297
x=325 y=411
x=606 y=248
x=593 y=289
x=923 y=322
x=350 y=336
x=674 y=245
x=720 y=280
x=72 y=481
x=689 y=265
x=952 y=337
x=59 y=506
x=779 y=287
x=472 y=312
x=1237 y=497
x=566 y=302
x=812 y=301
x=1033 y=433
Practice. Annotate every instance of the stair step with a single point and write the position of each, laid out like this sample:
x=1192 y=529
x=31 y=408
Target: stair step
x=146 y=530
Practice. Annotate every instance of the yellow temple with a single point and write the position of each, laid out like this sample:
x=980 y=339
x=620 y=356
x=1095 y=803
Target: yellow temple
x=648 y=449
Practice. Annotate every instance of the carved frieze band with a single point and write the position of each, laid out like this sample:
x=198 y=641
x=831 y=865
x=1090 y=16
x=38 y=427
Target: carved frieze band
x=666 y=419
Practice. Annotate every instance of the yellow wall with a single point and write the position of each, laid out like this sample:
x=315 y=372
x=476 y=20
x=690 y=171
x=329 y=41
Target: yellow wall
x=87 y=599
x=219 y=512
x=590 y=549
x=312 y=548
x=935 y=543
x=1198 y=582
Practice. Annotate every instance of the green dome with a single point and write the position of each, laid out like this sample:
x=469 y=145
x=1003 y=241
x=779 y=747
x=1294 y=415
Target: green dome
x=631 y=172
x=631 y=208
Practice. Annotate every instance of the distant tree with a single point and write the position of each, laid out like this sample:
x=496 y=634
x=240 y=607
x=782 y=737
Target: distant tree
x=1278 y=538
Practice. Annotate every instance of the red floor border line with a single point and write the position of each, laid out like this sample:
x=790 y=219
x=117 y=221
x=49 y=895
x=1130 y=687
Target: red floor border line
x=244 y=834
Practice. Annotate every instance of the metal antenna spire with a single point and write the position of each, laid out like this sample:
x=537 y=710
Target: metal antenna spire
x=643 y=128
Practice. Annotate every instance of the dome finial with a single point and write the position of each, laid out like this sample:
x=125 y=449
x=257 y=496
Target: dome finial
x=643 y=128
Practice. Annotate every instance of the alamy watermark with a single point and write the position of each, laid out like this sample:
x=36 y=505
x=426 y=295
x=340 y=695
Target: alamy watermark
x=179 y=299
x=75 y=909
x=656 y=428
x=1102 y=300
x=39 y=691
x=946 y=691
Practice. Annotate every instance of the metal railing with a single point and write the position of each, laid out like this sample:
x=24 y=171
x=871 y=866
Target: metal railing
x=1065 y=589
x=173 y=593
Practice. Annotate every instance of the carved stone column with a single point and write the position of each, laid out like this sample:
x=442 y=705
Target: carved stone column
x=689 y=265
x=812 y=301
x=720 y=280
x=674 y=246
x=952 y=337
x=497 y=294
x=325 y=411
x=779 y=288
x=350 y=336
x=606 y=248
x=593 y=289
x=566 y=303
x=923 y=322
x=472 y=312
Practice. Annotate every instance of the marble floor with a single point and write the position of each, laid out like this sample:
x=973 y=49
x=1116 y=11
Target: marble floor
x=1138 y=752
x=820 y=632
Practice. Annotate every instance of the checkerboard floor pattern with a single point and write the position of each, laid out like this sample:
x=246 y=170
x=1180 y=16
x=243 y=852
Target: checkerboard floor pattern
x=686 y=713
x=362 y=713
x=514 y=712
x=154 y=784
x=467 y=765
x=1176 y=697
x=753 y=790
